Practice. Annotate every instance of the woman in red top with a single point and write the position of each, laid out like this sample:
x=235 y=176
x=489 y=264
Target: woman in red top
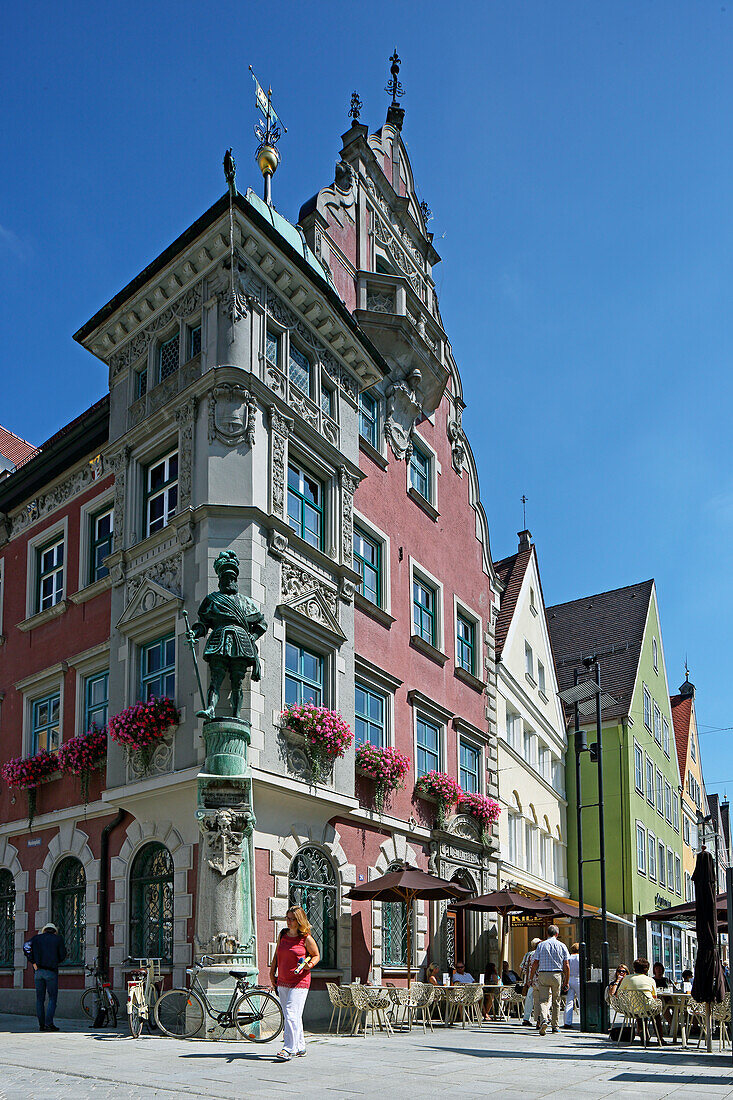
x=290 y=973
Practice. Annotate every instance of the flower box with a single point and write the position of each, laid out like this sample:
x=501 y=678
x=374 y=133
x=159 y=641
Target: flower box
x=326 y=736
x=485 y=811
x=140 y=727
x=386 y=767
x=441 y=788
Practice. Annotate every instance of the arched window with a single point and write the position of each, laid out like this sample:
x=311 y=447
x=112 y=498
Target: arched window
x=151 y=904
x=7 y=918
x=313 y=887
x=68 y=907
x=394 y=928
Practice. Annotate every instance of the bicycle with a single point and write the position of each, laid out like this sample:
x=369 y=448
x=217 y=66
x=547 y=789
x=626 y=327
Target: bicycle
x=254 y=1011
x=142 y=993
x=100 y=996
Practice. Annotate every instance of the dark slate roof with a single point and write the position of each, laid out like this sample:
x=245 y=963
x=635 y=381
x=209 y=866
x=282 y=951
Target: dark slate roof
x=610 y=624
x=510 y=571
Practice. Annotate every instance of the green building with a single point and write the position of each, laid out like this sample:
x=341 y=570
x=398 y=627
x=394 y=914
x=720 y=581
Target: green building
x=640 y=771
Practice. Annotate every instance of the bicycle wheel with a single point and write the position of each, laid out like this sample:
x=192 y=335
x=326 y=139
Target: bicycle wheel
x=113 y=1007
x=180 y=1013
x=87 y=1003
x=134 y=1019
x=258 y=1016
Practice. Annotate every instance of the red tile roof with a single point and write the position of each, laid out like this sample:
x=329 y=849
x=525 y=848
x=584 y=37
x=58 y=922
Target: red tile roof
x=510 y=572
x=681 y=718
x=15 y=449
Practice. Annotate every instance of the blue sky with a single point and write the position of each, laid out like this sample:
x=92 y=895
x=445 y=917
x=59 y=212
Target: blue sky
x=578 y=158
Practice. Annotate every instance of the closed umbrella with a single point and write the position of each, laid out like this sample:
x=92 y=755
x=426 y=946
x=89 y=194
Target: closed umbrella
x=506 y=902
x=708 y=985
x=407 y=886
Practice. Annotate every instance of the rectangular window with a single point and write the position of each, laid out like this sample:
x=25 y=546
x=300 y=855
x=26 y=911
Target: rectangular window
x=272 y=349
x=656 y=941
x=45 y=723
x=369 y=419
x=299 y=369
x=693 y=750
x=686 y=831
x=652 y=862
x=470 y=768
x=668 y=802
x=50 y=575
x=528 y=660
x=141 y=382
x=662 y=869
x=100 y=542
x=161 y=492
x=305 y=505
x=670 y=869
x=420 y=473
x=530 y=846
x=423 y=611
x=541 y=676
x=194 y=341
x=513 y=729
x=675 y=811
x=96 y=700
x=660 y=791
x=370 y=708
x=327 y=400
x=647 y=708
x=665 y=736
x=466 y=644
x=368 y=563
x=638 y=769
x=515 y=839
x=657 y=724
x=678 y=876
x=649 y=782
x=428 y=747
x=655 y=654
x=303 y=676
x=158 y=669
x=640 y=849
x=168 y=357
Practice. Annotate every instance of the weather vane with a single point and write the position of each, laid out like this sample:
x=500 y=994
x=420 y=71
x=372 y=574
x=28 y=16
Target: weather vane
x=268 y=132
x=395 y=86
x=355 y=108
x=524 y=500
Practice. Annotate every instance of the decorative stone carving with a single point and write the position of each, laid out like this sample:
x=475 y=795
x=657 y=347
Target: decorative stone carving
x=346 y=591
x=223 y=832
x=348 y=488
x=232 y=412
x=160 y=763
x=297 y=583
x=161 y=394
x=458 y=445
x=167 y=573
x=119 y=465
x=277 y=543
x=285 y=317
x=344 y=176
x=55 y=498
x=186 y=419
x=184 y=534
x=186 y=304
x=5 y=528
x=403 y=411
x=304 y=407
x=280 y=431
x=465 y=826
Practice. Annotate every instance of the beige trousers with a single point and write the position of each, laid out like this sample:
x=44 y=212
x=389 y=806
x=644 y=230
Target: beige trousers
x=548 y=987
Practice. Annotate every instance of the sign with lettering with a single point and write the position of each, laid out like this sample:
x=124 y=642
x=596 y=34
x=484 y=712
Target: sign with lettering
x=215 y=798
x=34 y=841
x=662 y=903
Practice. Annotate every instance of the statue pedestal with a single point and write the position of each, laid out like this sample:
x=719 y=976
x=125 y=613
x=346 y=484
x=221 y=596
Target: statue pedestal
x=225 y=920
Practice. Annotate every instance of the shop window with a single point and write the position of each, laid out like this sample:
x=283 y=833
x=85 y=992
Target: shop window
x=312 y=886
x=68 y=908
x=151 y=904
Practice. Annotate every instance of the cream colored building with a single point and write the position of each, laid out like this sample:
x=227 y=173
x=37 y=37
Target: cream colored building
x=532 y=743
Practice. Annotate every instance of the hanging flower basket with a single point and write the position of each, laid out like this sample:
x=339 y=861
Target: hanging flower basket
x=28 y=773
x=485 y=810
x=386 y=767
x=82 y=754
x=441 y=788
x=140 y=728
x=325 y=733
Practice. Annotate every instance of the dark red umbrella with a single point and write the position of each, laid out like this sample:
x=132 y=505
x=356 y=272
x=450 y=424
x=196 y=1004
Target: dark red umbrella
x=407 y=886
x=506 y=902
x=708 y=984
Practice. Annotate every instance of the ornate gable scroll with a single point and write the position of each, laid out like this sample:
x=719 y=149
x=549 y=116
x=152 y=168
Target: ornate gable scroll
x=306 y=594
x=147 y=597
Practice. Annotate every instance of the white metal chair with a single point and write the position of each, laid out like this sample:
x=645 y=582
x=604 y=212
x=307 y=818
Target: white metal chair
x=721 y=1016
x=341 y=1000
x=370 y=1002
x=636 y=1007
x=697 y=1014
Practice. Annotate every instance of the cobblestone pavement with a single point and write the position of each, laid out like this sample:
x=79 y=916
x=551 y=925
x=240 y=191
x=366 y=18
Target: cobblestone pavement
x=500 y=1060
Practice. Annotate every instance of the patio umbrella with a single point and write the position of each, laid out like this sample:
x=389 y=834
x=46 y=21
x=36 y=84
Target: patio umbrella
x=506 y=902
x=708 y=984
x=407 y=886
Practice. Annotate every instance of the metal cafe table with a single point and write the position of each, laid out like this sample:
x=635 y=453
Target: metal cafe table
x=678 y=1003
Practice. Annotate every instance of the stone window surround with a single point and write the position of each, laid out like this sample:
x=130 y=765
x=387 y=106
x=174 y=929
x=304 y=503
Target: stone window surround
x=320 y=378
x=141 y=633
x=36 y=686
x=376 y=680
x=138 y=834
x=70 y=840
x=460 y=607
x=435 y=471
x=300 y=635
x=97 y=504
x=86 y=664
x=419 y=572
x=179 y=326
x=10 y=861
x=396 y=850
x=140 y=458
x=282 y=855
x=385 y=564
x=35 y=543
x=327 y=478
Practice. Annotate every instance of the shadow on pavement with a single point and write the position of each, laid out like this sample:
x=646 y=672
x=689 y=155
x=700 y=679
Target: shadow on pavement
x=672 y=1079
x=610 y=1054
x=232 y=1056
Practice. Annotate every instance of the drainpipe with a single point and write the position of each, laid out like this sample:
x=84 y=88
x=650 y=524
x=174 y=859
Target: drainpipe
x=102 y=952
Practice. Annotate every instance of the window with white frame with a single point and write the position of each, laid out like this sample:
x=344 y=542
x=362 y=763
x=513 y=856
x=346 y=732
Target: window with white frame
x=668 y=801
x=96 y=699
x=514 y=824
x=558 y=776
x=370 y=713
x=466 y=643
x=638 y=768
x=693 y=750
x=670 y=869
x=655 y=654
x=686 y=830
x=368 y=563
x=662 y=864
x=531 y=749
x=369 y=419
x=688 y=887
x=545 y=763
x=528 y=660
x=45 y=718
x=306 y=505
x=640 y=849
x=541 y=677
x=420 y=472
x=649 y=781
x=513 y=729
x=425 y=610
x=101 y=530
x=161 y=492
x=652 y=860
x=675 y=811
x=429 y=736
x=532 y=600
x=657 y=724
x=677 y=876
x=665 y=736
x=660 y=791
x=647 y=708
x=531 y=833
x=50 y=574
x=158 y=669
x=469 y=767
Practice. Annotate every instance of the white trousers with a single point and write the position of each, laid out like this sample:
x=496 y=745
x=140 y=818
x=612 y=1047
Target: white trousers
x=573 y=992
x=528 y=1004
x=292 y=1002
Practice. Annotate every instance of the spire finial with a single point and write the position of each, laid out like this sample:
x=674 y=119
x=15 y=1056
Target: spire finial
x=524 y=500
x=267 y=130
x=355 y=108
x=395 y=113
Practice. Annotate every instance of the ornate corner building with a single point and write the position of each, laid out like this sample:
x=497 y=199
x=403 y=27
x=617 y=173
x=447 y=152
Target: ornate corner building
x=288 y=392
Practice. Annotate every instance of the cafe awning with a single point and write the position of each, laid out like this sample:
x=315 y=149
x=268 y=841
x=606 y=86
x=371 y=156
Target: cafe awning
x=570 y=908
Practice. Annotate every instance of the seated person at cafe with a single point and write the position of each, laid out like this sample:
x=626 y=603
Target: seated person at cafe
x=687 y=977
x=460 y=977
x=432 y=973
x=640 y=982
x=615 y=982
x=491 y=977
x=508 y=977
x=661 y=980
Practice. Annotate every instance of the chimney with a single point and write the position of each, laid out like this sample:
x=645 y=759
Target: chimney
x=525 y=540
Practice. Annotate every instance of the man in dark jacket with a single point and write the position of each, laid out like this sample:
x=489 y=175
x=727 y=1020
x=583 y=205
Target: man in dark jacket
x=47 y=950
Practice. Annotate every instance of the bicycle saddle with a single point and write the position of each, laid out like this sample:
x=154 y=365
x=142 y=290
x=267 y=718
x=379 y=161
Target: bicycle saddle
x=238 y=973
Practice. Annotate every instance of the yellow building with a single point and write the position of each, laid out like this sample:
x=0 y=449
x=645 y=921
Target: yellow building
x=692 y=796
